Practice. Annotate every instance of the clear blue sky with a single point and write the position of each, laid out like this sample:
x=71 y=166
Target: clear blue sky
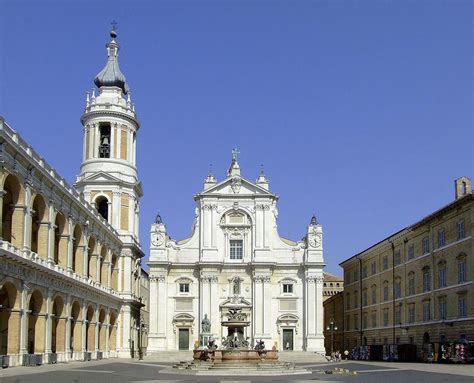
x=361 y=111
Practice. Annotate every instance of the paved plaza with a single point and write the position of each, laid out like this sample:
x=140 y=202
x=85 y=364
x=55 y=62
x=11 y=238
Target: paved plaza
x=154 y=370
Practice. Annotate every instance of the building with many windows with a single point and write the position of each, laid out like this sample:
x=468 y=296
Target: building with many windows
x=70 y=258
x=417 y=285
x=235 y=259
x=332 y=285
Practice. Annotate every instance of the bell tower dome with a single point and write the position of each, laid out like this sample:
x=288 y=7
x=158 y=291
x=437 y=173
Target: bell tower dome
x=108 y=176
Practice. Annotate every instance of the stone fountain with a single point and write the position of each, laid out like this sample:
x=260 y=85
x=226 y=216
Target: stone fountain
x=235 y=346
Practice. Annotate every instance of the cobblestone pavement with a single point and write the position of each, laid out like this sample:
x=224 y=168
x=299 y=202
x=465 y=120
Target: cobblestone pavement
x=148 y=371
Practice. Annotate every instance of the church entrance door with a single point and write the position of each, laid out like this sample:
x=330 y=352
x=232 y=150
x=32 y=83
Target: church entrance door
x=184 y=339
x=288 y=339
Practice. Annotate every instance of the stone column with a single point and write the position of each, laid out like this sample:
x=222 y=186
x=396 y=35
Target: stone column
x=48 y=323
x=51 y=227
x=84 y=327
x=158 y=312
x=258 y=306
x=24 y=319
x=154 y=305
x=98 y=268
x=96 y=331
x=68 y=319
x=2 y=193
x=267 y=307
x=314 y=313
x=109 y=271
x=26 y=211
x=85 y=261
x=126 y=335
x=70 y=244
x=106 y=332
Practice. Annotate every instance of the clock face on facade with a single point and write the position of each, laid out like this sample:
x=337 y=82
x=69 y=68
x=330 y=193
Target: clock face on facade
x=157 y=239
x=315 y=241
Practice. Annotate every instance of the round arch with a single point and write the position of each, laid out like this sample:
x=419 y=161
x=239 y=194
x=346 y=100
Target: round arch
x=12 y=212
x=39 y=227
x=76 y=330
x=9 y=321
x=78 y=250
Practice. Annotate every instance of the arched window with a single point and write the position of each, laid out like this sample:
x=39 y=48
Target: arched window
x=102 y=205
x=11 y=197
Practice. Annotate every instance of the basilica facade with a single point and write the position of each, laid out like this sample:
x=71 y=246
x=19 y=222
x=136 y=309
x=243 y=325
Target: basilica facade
x=235 y=259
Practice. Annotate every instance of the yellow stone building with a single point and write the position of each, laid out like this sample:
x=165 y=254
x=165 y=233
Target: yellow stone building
x=70 y=258
x=415 y=286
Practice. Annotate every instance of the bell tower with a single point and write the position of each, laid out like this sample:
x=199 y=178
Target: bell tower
x=108 y=176
x=109 y=181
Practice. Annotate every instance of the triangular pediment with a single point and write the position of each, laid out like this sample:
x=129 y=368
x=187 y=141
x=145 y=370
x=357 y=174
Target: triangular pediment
x=236 y=185
x=100 y=177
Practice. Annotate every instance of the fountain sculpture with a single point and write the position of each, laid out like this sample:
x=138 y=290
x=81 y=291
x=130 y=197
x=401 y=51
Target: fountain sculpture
x=235 y=346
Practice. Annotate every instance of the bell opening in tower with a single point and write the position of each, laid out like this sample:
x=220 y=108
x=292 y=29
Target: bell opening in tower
x=104 y=147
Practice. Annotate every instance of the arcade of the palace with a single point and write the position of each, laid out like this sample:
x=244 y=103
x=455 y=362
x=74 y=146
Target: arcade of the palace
x=61 y=267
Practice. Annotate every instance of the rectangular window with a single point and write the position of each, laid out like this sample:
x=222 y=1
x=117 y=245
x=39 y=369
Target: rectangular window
x=462 y=271
x=356 y=322
x=364 y=272
x=385 y=293
x=184 y=287
x=374 y=318
x=374 y=295
x=411 y=251
x=288 y=288
x=364 y=298
x=347 y=323
x=236 y=249
x=397 y=257
x=348 y=302
x=411 y=314
x=442 y=309
x=426 y=281
x=441 y=238
x=373 y=268
x=462 y=307
x=398 y=289
x=356 y=275
x=425 y=245
x=385 y=262
x=356 y=299
x=347 y=278
x=385 y=318
x=426 y=311
x=461 y=233
x=398 y=316
x=411 y=286
x=442 y=276
x=364 y=321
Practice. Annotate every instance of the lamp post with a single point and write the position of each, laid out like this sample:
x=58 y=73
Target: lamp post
x=332 y=328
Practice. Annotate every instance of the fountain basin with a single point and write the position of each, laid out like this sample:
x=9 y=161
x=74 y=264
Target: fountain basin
x=237 y=356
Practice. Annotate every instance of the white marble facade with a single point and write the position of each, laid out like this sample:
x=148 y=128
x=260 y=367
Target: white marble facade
x=235 y=256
